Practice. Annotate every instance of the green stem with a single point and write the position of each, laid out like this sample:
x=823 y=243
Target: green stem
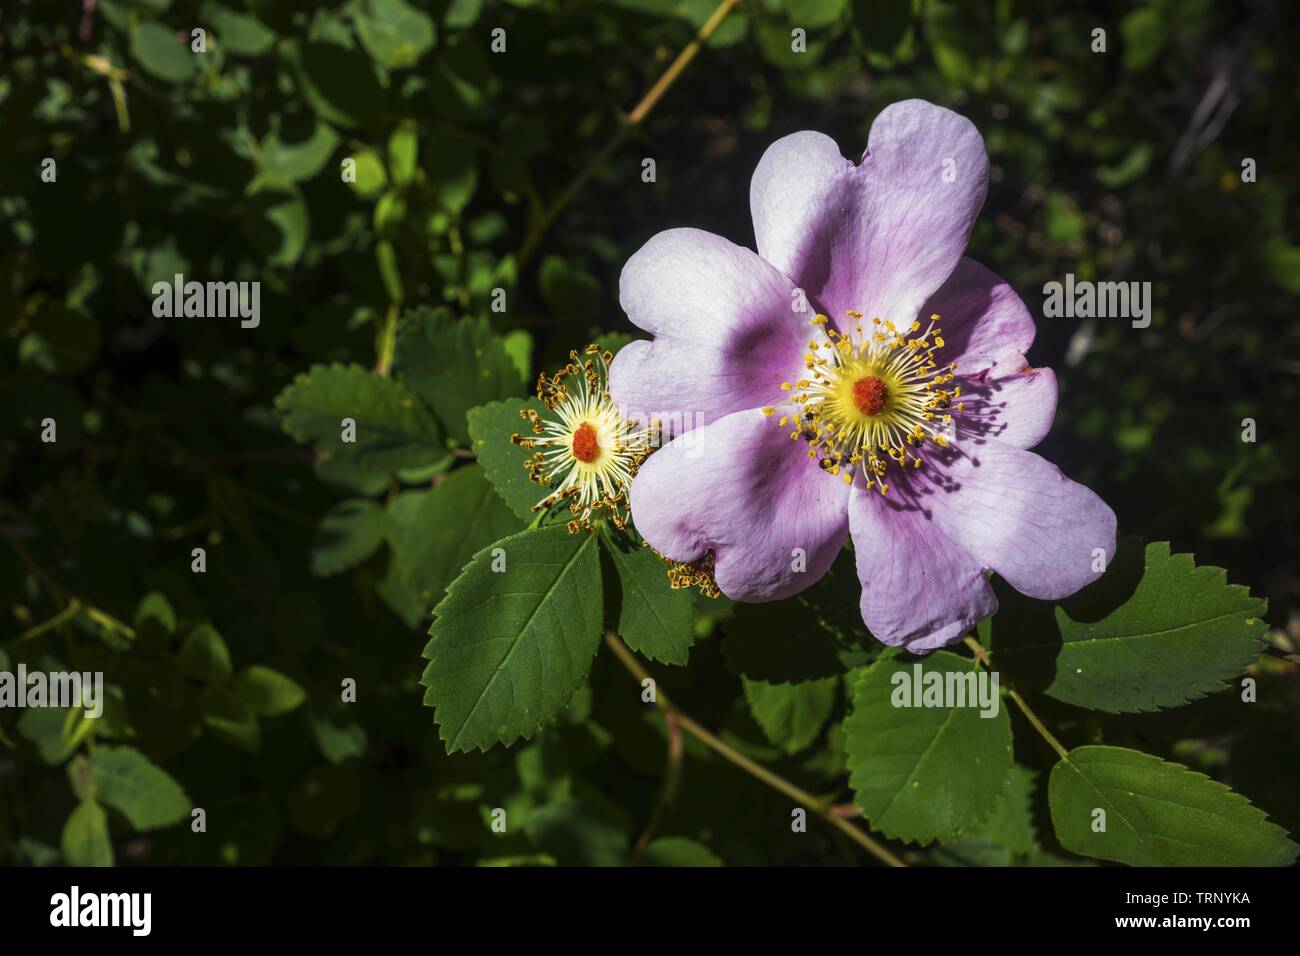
x=672 y=780
x=800 y=796
x=984 y=658
x=74 y=606
x=388 y=341
x=106 y=620
x=67 y=614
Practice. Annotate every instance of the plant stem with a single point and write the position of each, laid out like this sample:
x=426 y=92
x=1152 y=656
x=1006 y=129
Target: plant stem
x=107 y=621
x=983 y=657
x=74 y=606
x=1038 y=724
x=626 y=126
x=672 y=779
x=800 y=796
x=67 y=614
x=387 y=341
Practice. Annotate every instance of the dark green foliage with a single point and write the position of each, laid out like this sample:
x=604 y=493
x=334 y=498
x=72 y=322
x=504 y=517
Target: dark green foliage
x=386 y=178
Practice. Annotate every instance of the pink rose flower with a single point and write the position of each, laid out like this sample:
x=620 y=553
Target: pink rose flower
x=857 y=376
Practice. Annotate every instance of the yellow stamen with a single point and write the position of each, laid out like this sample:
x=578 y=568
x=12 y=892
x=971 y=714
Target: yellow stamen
x=874 y=398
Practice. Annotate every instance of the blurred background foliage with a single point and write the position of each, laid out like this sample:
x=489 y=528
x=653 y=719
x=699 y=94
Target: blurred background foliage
x=225 y=165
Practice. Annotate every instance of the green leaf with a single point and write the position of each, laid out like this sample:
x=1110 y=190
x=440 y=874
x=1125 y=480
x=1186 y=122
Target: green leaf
x=275 y=220
x=1155 y=631
x=436 y=532
x=791 y=715
x=301 y=156
x=508 y=648
x=519 y=346
x=1284 y=264
x=403 y=151
x=340 y=83
x=371 y=176
x=653 y=619
x=463 y=13
x=817 y=633
x=452 y=174
x=226 y=714
x=575 y=837
x=85 y=837
x=393 y=430
x=164 y=53
x=924 y=773
x=1008 y=836
x=678 y=851
x=204 y=656
x=348 y=534
x=395 y=34
x=154 y=606
x=814 y=14
x=128 y=781
x=401 y=600
x=267 y=692
x=572 y=294
x=390 y=213
x=490 y=428
x=1157 y=813
x=454 y=365
x=1012 y=825
x=338 y=741
x=1143 y=31
x=43 y=726
x=697 y=12
x=241 y=34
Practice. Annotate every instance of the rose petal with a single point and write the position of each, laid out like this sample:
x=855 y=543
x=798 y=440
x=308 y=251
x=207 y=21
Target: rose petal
x=799 y=181
x=1010 y=401
x=880 y=237
x=744 y=490
x=982 y=318
x=919 y=590
x=986 y=331
x=727 y=331
x=1016 y=513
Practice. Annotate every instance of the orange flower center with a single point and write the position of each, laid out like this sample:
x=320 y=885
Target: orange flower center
x=870 y=395
x=585 y=447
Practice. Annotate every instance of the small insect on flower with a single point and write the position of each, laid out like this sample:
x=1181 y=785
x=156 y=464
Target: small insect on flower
x=587 y=452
